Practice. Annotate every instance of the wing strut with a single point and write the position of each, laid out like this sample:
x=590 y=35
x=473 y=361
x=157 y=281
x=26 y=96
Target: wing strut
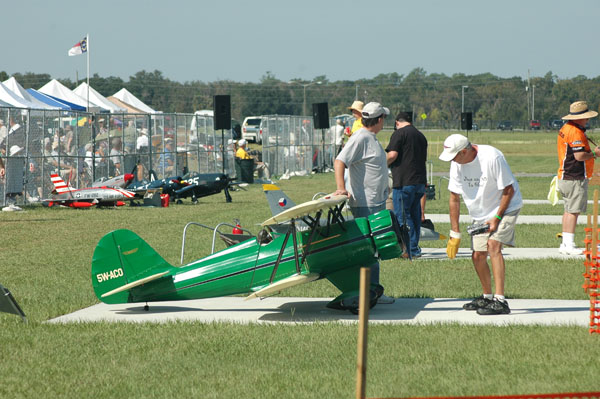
x=291 y=230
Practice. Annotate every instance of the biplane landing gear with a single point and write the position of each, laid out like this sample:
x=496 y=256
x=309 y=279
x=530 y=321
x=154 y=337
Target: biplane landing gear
x=146 y=307
x=179 y=202
x=350 y=300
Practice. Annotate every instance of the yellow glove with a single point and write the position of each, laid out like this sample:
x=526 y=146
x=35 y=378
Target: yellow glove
x=453 y=244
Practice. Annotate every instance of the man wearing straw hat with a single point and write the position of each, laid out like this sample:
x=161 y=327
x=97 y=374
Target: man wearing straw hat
x=575 y=167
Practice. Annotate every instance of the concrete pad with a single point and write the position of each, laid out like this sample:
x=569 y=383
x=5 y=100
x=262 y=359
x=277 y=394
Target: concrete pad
x=509 y=253
x=422 y=311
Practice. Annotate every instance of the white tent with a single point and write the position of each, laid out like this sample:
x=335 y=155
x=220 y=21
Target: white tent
x=56 y=89
x=17 y=89
x=11 y=98
x=128 y=98
x=97 y=98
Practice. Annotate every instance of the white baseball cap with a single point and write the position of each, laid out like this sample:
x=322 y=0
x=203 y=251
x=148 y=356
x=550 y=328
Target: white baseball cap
x=242 y=142
x=15 y=149
x=374 y=110
x=453 y=145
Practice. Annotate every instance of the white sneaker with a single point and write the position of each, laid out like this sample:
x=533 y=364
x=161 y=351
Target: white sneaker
x=568 y=250
x=11 y=208
x=33 y=199
x=385 y=300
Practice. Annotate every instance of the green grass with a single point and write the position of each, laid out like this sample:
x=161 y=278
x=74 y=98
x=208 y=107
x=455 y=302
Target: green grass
x=45 y=257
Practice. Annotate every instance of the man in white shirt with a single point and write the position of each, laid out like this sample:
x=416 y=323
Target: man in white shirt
x=481 y=175
x=367 y=186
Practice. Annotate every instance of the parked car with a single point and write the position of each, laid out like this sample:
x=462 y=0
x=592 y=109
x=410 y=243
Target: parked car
x=556 y=124
x=251 y=130
x=534 y=124
x=505 y=125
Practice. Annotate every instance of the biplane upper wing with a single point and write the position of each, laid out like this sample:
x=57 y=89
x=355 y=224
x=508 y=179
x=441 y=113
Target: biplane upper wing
x=326 y=202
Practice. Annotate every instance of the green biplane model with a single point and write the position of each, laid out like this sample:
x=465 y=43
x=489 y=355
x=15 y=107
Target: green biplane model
x=126 y=269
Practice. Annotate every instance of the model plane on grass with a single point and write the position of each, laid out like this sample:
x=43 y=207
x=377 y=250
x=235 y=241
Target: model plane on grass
x=192 y=185
x=65 y=195
x=126 y=269
x=279 y=202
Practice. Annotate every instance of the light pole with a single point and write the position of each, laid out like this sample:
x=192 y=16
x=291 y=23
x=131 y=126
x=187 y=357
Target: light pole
x=463 y=98
x=304 y=86
x=533 y=102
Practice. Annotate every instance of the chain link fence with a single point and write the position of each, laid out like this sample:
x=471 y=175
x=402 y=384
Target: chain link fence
x=291 y=145
x=83 y=147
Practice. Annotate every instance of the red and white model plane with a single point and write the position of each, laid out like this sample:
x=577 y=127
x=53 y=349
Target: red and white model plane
x=66 y=195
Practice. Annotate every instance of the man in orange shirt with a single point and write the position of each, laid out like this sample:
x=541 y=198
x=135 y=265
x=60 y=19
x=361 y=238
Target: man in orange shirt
x=576 y=163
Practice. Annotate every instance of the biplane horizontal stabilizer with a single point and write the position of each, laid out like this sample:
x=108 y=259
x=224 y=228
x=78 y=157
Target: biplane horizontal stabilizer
x=291 y=281
x=134 y=284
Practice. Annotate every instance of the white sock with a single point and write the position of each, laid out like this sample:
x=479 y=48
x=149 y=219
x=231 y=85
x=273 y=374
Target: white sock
x=499 y=297
x=488 y=296
x=568 y=239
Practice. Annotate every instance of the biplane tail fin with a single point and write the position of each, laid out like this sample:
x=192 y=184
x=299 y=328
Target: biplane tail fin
x=123 y=261
x=277 y=199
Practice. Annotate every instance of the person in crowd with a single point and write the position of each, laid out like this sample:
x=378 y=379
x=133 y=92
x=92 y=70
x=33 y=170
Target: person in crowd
x=3 y=130
x=337 y=133
x=367 y=185
x=116 y=155
x=575 y=167
x=142 y=143
x=406 y=157
x=356 y=109
x=481 y=175
x=259 y=166
x=166 y=161
x=15 y=178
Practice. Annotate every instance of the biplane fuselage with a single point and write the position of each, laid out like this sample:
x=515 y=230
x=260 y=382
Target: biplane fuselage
x=122 y=260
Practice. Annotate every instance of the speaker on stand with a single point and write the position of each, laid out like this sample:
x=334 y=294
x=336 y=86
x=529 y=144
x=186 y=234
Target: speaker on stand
x=321 y=121
x=222 y=119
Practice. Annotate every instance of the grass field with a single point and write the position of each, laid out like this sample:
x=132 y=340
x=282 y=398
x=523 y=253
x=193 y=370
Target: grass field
x=45 y=257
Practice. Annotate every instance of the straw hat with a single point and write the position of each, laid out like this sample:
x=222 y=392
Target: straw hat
x=579 y=110
x=357 y=105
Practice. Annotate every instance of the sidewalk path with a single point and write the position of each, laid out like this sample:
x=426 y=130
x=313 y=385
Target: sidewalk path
x=277 y=309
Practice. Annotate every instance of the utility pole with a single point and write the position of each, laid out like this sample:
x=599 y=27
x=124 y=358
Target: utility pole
x=533 y=102
x=463 y=98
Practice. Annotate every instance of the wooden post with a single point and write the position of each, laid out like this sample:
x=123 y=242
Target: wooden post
x=363 y=323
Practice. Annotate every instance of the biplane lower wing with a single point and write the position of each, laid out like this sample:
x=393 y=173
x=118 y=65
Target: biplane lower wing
x=288 y=282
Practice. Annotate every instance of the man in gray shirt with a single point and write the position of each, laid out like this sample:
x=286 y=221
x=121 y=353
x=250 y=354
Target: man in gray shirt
x=367 y=183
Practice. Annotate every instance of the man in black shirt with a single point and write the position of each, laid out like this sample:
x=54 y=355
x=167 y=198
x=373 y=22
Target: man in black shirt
x=406 y=156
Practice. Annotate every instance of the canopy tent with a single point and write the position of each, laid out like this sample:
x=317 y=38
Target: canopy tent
x=8 y=96
x=4 y=104
x=53 y=102
x=97 y=98
x=17 y=89
x=130 y=109
x=128 y=98
x=57 y=90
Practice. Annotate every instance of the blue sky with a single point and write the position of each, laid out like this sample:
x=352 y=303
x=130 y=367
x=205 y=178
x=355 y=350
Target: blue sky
x=344 y=40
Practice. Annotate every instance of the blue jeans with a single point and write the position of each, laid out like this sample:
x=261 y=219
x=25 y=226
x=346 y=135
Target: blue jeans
x=363 y=212
x=411 y=197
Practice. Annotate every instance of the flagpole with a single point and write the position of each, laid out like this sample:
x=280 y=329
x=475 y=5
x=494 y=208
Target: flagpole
x=88 y=70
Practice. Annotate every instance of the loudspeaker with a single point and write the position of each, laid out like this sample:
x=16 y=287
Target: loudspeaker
x=222 y=109
x=321 y=116
x=466 y=120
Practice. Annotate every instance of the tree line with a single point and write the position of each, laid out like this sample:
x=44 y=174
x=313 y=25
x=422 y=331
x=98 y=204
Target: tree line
x=440 y=97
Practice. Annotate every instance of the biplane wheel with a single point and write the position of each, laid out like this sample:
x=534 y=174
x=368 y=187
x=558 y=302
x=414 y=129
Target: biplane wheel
x=372 y=302
x=146 y=307
x=179 y=202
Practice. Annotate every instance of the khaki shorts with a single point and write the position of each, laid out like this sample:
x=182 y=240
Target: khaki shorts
x=505 y=233
x=575 y=194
